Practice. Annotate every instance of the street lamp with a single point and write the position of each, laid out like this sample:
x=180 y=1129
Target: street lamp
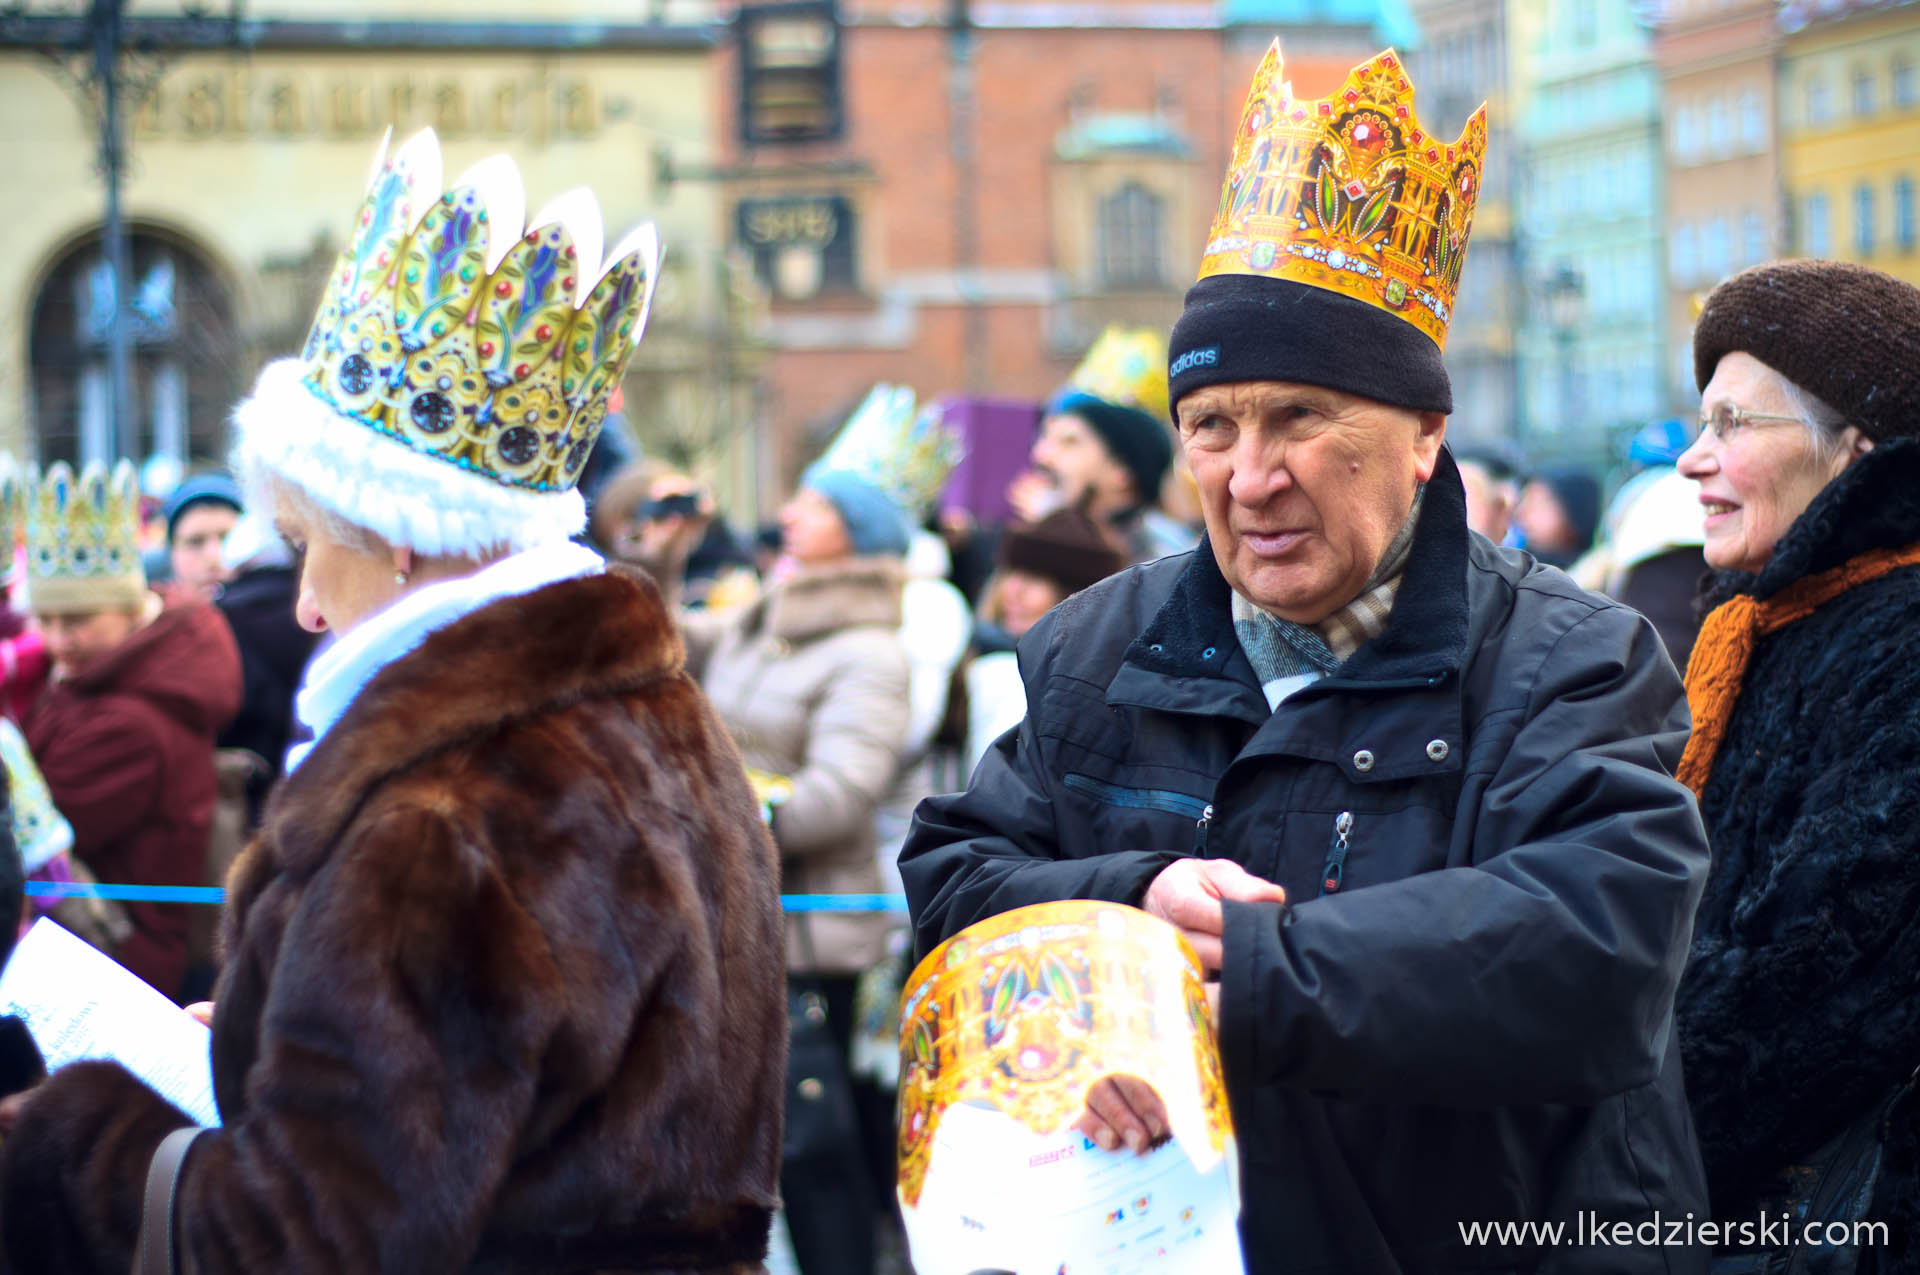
x=1566 y=297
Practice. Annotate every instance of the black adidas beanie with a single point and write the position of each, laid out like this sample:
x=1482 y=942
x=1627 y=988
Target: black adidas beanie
x=1243 y=327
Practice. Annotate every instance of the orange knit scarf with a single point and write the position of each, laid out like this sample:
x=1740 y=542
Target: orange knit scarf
x=1718 y=667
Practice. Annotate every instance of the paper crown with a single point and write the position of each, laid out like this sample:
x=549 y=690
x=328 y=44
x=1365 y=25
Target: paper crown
x=40 y=831
x=1126 y=367
x=907 y=452
x=486 y=351
x=13 y=513
x=83 y=539
x=1350 y=194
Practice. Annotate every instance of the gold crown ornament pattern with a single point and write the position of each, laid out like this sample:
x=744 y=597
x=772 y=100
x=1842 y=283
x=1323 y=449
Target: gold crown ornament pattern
x=1350 y=194
x=447 y=328
x=1126 y=367
x=83 y=539
x=905 y=450
x=1023 y=1011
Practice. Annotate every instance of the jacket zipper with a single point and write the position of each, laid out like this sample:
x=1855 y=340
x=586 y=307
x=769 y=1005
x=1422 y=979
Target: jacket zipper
x=1200 y=827
x=1164 y=799
x=1336 y=870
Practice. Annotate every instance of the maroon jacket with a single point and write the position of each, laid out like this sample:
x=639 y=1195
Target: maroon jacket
x=126 y=746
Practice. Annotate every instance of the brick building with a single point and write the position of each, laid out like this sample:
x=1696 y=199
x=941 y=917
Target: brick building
x=960 y=196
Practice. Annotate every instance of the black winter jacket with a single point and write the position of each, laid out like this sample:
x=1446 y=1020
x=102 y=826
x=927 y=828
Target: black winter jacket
x=1467 y=1018
x=1801 y=1002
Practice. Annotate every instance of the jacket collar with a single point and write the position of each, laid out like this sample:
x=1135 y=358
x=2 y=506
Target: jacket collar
x=1191 y=636
x=1873 y=504
x=508 y=662
x=820 y=600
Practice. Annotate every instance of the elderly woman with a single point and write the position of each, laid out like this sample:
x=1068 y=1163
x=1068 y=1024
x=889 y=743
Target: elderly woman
x=812 y=681
x=1797 y=1015
x=502 y=980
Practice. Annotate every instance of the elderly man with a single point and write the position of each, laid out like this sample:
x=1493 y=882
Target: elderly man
x=1409 y=795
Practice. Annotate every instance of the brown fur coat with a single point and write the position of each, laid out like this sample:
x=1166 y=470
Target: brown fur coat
x=502 y=989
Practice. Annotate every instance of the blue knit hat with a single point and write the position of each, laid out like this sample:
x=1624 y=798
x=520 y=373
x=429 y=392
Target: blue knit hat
x=875 y=524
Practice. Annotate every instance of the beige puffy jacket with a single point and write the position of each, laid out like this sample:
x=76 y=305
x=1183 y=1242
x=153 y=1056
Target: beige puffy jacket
x=811 y=681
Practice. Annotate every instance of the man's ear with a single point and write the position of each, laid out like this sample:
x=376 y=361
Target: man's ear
x=1426 y=445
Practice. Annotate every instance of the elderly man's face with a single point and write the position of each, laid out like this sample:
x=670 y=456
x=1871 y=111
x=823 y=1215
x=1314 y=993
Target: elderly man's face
x=1303 y=488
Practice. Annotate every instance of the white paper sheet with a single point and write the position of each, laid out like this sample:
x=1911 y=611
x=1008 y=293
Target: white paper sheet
x=1000 y=1198
x=80 y=1003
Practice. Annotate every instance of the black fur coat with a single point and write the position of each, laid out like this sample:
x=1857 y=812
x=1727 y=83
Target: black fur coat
x=1800 y=1007
x=503 y=986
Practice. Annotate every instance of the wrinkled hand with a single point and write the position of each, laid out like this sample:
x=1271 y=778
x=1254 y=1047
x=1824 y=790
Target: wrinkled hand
x=1126 y=1110
x=10 y=1108
x=1188 y=893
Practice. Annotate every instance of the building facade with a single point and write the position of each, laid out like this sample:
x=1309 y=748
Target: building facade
x=247 y=147
x=1850 y=132
x=1463 y=62
x=1593 y=352
x=1724 y=210
x=958 y=196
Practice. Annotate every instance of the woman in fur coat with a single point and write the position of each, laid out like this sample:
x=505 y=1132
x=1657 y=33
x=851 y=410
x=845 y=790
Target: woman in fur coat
x=1797 y=1015
x=502 y=980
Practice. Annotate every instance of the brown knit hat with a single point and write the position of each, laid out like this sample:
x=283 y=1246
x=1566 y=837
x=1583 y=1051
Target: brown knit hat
x=1846 y=334
x=1066 y=547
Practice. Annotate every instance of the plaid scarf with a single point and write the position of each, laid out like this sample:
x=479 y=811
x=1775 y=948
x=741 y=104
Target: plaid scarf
x=1287 y=656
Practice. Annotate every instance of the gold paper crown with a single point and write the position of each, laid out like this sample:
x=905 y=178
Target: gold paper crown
x=906 y=452
x=447 y=329
x=1126 y=367
x=83 y=539
x=1350 y=194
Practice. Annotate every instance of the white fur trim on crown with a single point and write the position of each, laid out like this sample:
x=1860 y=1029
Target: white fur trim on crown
x=406 y=497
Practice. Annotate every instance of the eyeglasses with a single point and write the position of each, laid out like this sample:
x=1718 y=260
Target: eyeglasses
x=1728 y=419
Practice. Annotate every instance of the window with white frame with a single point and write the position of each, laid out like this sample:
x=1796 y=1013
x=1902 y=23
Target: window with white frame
x=1863 y=91
x=1682 y=256
x=1903 y=214
x=1753 y=238
x=1863 y=220
x=1819 y=102
x=1816 y=230
x=1753 y=122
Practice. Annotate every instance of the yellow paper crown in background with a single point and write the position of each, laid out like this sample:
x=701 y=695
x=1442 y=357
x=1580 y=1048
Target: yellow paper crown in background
x=1126 y=367
x=447 y=328
x=83 y=539
x=1350 y=194
x=905 y=450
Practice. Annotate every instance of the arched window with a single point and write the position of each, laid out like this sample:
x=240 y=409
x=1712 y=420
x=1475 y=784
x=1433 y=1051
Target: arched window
x=1130 y=220
x=185 y=366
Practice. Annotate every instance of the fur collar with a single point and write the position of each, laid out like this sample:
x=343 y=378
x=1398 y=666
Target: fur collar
x=505 y=663
x=818 y=600
x=1873 y=504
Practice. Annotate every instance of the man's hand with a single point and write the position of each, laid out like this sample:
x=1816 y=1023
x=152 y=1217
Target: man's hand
x=1124 y=1109
x=1188 y=892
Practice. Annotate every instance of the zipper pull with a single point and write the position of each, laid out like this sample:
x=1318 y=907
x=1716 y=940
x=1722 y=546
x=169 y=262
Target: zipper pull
x=1200 y=831
x=1336 y=870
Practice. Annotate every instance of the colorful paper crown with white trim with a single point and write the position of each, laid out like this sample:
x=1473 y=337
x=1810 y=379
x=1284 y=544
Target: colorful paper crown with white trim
x=486 y=351
x=1350 y=194
x=83 y=539
x=908 y=452
x=1126 y=367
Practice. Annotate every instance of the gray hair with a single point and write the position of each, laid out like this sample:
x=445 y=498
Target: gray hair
x=268 y=492
x=1825 y=424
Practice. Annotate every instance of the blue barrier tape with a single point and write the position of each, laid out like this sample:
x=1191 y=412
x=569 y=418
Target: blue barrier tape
x=214 y=894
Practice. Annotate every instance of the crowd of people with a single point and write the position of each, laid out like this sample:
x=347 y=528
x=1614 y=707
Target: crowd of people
x=505 y=745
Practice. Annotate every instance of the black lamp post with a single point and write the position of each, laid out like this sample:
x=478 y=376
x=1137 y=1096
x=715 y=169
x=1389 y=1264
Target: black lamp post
x=1566 y=295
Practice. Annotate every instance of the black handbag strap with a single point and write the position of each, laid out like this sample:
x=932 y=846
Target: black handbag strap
x=153 y=1254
